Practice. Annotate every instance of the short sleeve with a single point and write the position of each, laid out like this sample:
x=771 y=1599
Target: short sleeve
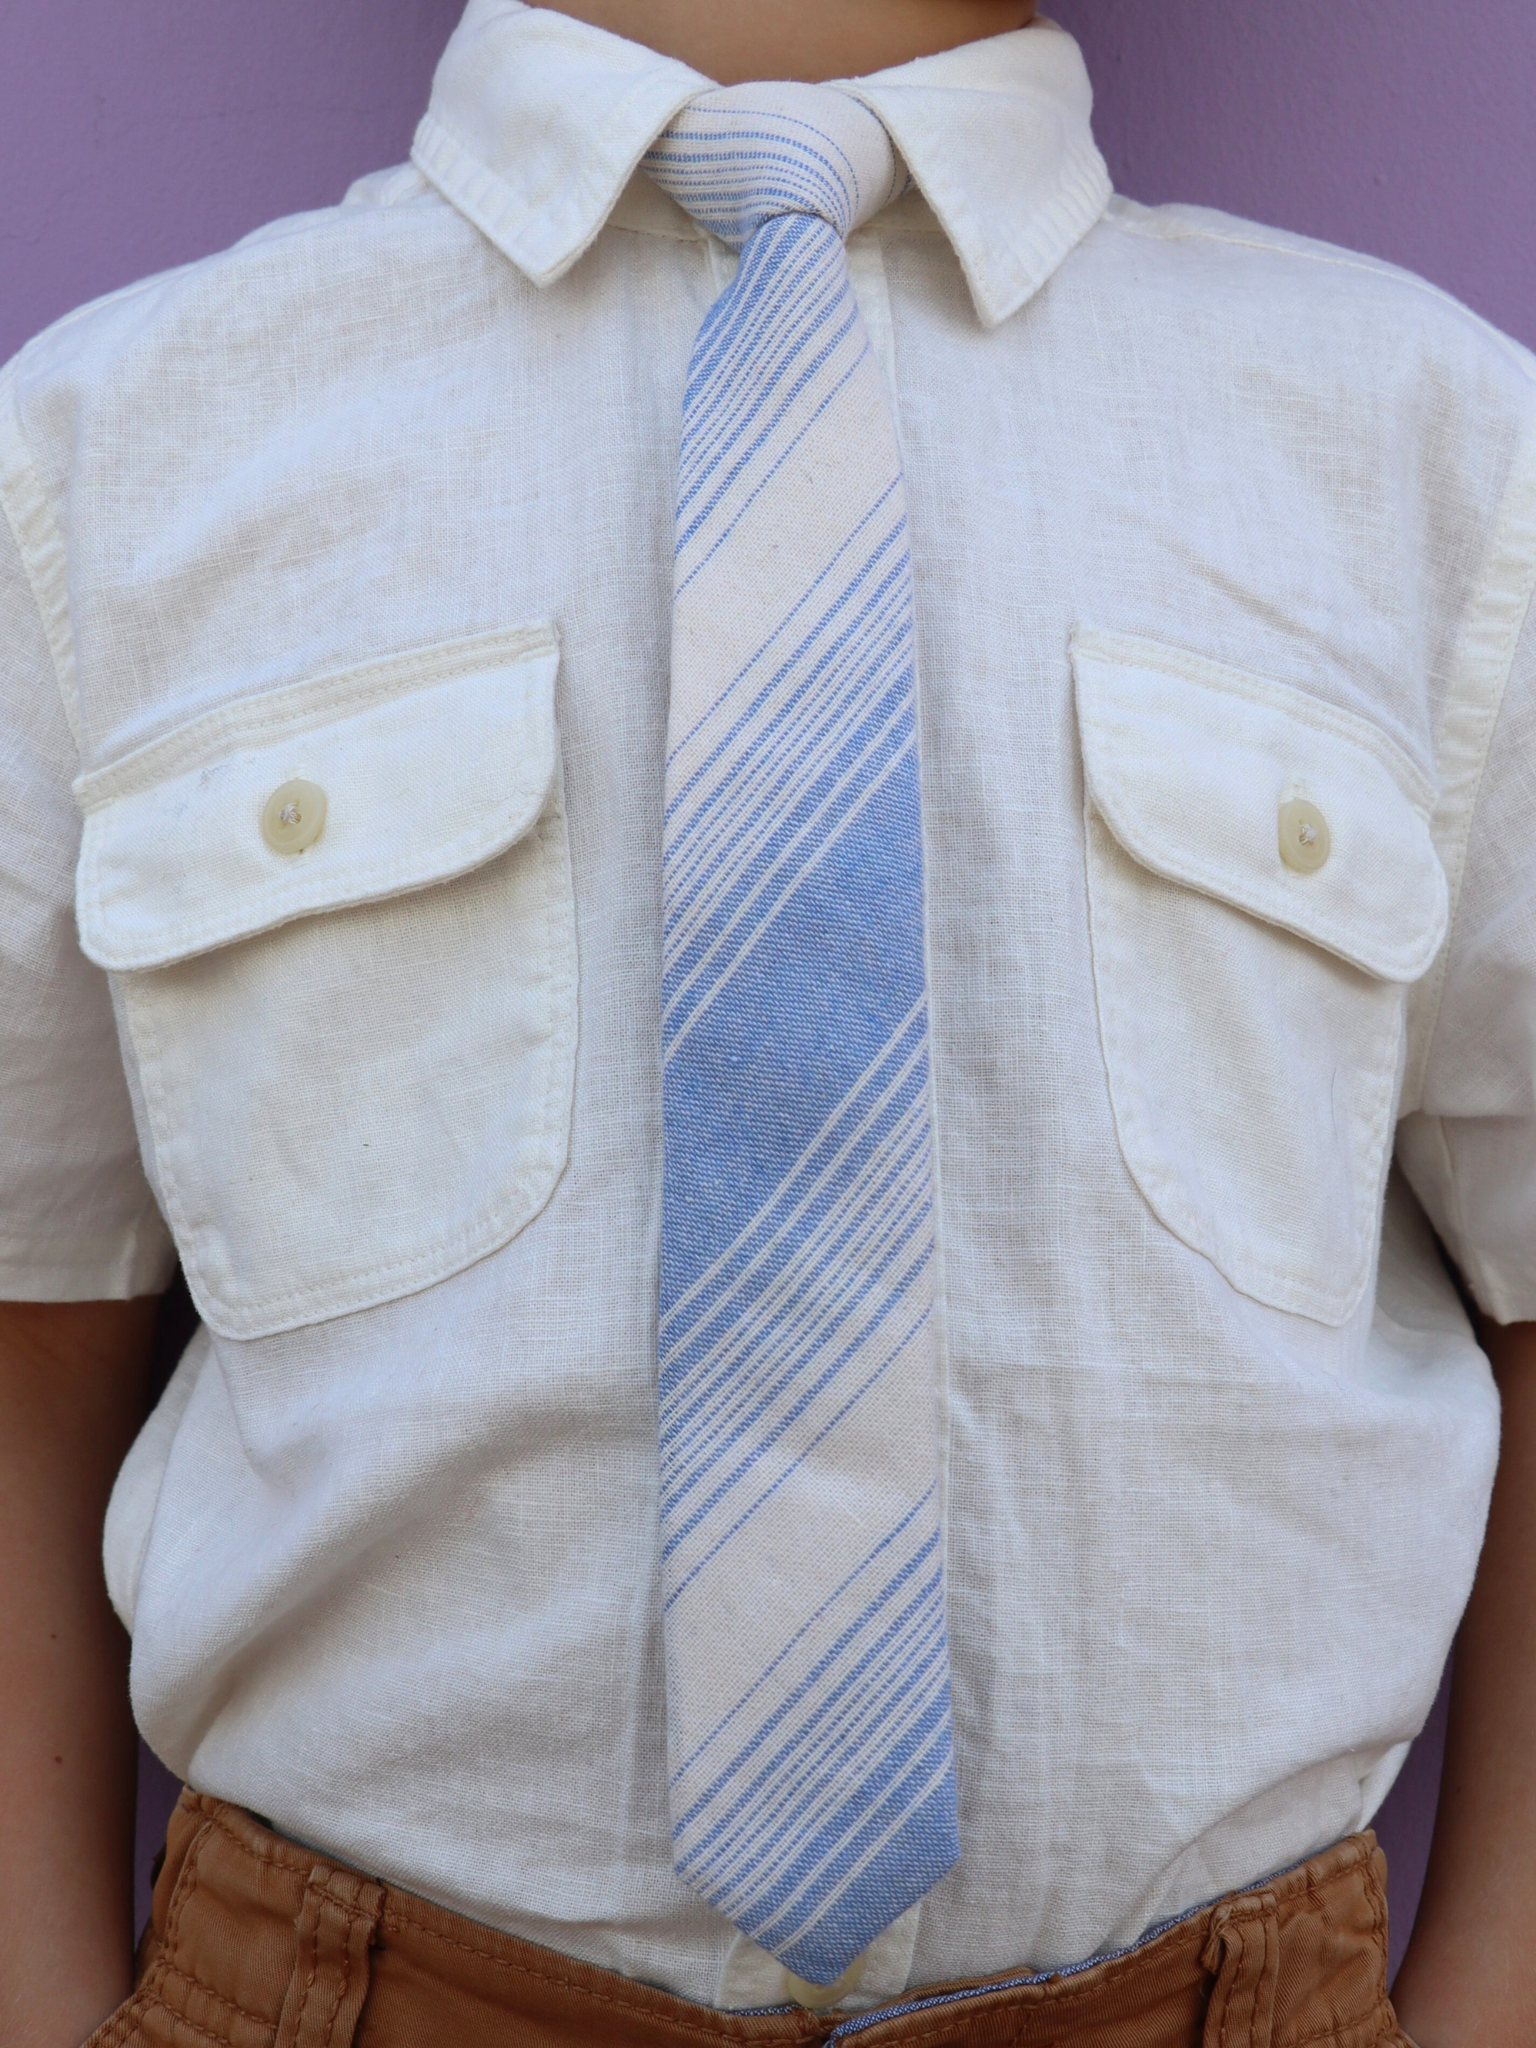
x=77 y=1219
x=1470 y=1153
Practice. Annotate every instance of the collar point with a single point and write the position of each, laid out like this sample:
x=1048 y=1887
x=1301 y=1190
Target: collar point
x=480 y=196
x=998 y=291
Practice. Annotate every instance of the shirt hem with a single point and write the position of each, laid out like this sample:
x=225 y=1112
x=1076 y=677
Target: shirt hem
x=123 y=1273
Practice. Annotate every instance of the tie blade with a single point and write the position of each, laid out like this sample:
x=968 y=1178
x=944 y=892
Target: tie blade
x=824 y=1801
x=908 y=1864
x=809 y=1716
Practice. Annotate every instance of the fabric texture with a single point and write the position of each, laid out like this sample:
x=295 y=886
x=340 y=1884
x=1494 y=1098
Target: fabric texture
x=256 y=1943
x=808 y=1702
x=393 y=1572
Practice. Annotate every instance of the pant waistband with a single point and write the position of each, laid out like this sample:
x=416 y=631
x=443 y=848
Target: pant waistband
x=256 y=1942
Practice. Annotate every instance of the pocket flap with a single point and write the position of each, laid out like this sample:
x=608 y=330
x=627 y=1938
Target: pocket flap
x=431 y=762
x=1189 y=764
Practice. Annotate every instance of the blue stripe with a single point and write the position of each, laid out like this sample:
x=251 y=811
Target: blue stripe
x=821 y=659
x=816 y=340
x=870 y=1559
x=839 y=977
x=732 y=188
x=829 y=1374
x=797 y=1216
x=835 y=1656
x=807 y=1208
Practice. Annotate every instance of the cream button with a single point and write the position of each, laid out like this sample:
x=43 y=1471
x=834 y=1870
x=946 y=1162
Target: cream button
x=822 y=1997
x=1305 y=841
x=293 y=816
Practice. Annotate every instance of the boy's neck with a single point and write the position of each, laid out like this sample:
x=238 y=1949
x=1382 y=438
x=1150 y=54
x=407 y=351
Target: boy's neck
x=733 y=40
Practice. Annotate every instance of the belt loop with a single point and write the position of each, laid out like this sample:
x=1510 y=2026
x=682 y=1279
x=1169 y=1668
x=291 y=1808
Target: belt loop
x=1244 y=1953
x=336 y=1926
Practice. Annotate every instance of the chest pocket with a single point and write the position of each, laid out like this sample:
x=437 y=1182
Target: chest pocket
x=355 y=1050
x=1262 y=887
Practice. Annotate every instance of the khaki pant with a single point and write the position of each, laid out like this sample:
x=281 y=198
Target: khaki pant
x=257 y=1943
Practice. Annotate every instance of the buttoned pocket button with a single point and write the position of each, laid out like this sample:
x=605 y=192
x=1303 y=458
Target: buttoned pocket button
x=1305 y=841
x=1249 y=973
x=293 y=816
x=441 y=887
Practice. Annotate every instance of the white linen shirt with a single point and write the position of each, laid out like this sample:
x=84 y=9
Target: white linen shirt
x=1207 y=521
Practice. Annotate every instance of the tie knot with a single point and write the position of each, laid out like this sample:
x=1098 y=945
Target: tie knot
x=744 y=154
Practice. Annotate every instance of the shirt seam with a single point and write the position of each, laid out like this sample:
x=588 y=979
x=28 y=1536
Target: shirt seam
x=880 y=228
x=657 y=233
x=1337 y=259
x=1476 y=698
x=1290 y=700
x=39 y=548
x=137 y=1261
x=871 y=268
x=40 y=1252
x=307 y=704
x=1460 y=1245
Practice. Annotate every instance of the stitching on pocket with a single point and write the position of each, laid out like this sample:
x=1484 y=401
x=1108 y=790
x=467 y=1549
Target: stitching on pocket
x=271 y=890
x=1279 y=1286
x=1287 y=698
x=541 y=1139
x=1393 y=939
x=546 y=1138
x=295 y=708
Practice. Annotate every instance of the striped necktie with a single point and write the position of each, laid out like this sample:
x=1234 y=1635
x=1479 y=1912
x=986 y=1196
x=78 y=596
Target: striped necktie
x=811 y=1752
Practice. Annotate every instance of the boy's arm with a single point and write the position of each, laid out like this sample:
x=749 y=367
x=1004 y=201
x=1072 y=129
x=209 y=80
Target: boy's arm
x=73 y=1381
x=1469 y=1977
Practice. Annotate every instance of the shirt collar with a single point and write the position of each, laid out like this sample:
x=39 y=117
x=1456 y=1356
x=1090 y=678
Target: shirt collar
x=537 y=122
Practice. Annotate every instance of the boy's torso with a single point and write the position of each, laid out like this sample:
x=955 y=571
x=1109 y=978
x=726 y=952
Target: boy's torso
x=1203 y=528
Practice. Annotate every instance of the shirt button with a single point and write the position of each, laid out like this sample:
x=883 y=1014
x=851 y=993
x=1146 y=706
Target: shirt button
x=822 y=1997
x=1305 y=841
x=293 y=816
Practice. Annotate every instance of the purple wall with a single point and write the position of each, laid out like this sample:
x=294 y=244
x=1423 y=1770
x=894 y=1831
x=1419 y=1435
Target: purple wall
x=1403 y=127
x=136 y=137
